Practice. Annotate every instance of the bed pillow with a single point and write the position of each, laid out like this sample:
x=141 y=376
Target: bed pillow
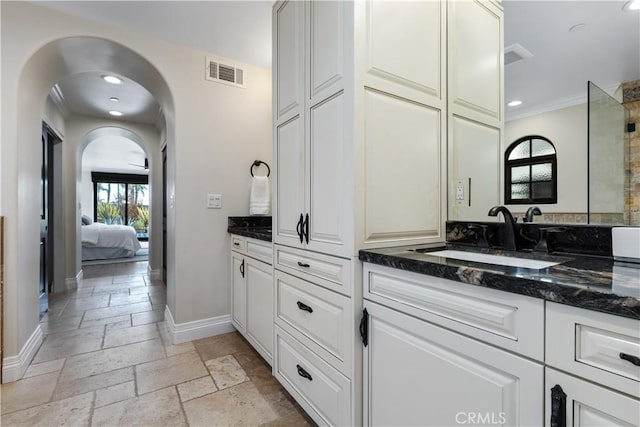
x=86 y=220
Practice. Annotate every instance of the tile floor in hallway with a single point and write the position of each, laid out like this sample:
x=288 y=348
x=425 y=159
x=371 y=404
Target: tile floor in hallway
x=106 y=361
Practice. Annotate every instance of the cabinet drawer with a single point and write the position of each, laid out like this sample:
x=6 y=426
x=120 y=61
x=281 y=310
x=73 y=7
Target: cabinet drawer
x=331 y=272
x=319 y=318
x=511 y=321
x=594 y=345
x=237 y=243
x=321 y=390
x=259 y=249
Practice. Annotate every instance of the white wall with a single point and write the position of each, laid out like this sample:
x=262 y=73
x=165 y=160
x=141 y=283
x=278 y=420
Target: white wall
x=214 y=131
x=567 y=130
x=86 y=194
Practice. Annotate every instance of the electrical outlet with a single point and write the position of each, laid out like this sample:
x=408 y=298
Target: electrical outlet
x=459 y=190
x=214 y=201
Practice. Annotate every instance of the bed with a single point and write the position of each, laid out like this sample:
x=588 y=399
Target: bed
x=102 y=241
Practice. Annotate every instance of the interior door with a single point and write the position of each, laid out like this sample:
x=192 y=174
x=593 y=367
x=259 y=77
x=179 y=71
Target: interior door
x=164 y=215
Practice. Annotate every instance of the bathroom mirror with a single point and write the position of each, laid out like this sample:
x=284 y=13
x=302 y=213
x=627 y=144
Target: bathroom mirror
x=552 y=49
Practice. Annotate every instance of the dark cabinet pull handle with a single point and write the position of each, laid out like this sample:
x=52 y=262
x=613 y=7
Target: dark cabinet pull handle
x=306 y=228
x=236 y=243
x=629 y=358
x=364 y=327
x=303 y=373
x=299 y=229
x=303 y=264
x=242 y=268
x=558 y=407
x=304 y=307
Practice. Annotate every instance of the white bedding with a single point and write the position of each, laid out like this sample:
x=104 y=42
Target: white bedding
x=110 y=236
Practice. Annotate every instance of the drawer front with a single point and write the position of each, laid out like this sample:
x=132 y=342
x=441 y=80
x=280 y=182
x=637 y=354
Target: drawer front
x=511 y=321
x=331 y=272
x=237 y=243
x=319 y=318
x=321 y=390
x=593 y=345
x=259 y=249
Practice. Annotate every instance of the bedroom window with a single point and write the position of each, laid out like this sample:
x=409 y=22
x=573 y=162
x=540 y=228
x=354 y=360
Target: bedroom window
x=122 y=199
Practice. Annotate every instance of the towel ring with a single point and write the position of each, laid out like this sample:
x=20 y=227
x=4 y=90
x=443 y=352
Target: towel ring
x=258 y=163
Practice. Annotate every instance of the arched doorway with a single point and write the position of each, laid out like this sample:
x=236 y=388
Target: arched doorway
x=50 y=64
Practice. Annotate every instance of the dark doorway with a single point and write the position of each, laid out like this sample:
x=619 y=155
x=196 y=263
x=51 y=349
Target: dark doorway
x=164 y=214
x=45 y=284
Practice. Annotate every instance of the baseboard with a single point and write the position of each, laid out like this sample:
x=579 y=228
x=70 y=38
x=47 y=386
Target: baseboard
x=154 y=274
x=189 y=331
x=71 y=283
x=14 y=367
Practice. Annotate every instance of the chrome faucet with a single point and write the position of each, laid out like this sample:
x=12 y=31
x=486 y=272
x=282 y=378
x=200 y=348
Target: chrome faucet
x=533 y=210
x=510 y=225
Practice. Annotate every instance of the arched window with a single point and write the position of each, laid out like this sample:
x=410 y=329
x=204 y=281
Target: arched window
x=530 y=172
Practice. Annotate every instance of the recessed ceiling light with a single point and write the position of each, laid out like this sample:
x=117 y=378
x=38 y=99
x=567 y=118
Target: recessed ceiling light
x=514 y=103
x=115 y=113
x=577 y=27
x=114 y=99
x=632 y=5
x=112 y=79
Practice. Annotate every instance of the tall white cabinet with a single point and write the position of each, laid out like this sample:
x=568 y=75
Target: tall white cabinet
x=360 y=132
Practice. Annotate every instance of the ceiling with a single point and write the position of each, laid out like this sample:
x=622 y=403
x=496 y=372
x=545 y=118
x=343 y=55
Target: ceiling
x=113 y=153
x=606 y=51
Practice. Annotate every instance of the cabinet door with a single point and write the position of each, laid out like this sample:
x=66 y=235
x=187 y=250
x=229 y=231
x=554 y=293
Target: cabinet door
x=289 y=194
x=288 y=45
x=328 y=205
x=238 y=292
x=416 y=373
x=587 y=404
x=475 y=60
x=474 y=163
x=260 y=306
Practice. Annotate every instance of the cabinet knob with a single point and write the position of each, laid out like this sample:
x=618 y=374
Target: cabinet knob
x=303 y=264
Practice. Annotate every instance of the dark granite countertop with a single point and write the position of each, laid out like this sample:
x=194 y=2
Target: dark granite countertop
x=260 y=233
x=593 y=283
x=256 y=227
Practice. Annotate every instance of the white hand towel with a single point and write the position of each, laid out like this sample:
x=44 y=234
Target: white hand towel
x=260 y=199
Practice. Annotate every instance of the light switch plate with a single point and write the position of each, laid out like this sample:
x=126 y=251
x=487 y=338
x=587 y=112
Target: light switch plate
x=214 y=201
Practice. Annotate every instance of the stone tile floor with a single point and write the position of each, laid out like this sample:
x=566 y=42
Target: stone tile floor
x=106 y=361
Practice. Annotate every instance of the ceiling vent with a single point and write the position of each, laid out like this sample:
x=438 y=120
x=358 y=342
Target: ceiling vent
x=224 y=72
x=515 y=53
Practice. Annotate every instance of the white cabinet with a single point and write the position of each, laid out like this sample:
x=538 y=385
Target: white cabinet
x=601 y=348
x=238 y=292
x=436 y=352
x=252 y=293
x=475 y=106
x=417 y=373
x=311 y=198
x=360 y=131
x=572 y=401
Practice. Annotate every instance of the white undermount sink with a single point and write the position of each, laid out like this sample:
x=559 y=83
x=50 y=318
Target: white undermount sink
x=494 y=259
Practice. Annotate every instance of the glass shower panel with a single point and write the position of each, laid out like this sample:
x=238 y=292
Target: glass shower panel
x=608 y=156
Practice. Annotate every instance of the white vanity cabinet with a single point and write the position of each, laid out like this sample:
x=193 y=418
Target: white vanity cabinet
x=600 y=356
x=252 y=292
x=421 y=366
